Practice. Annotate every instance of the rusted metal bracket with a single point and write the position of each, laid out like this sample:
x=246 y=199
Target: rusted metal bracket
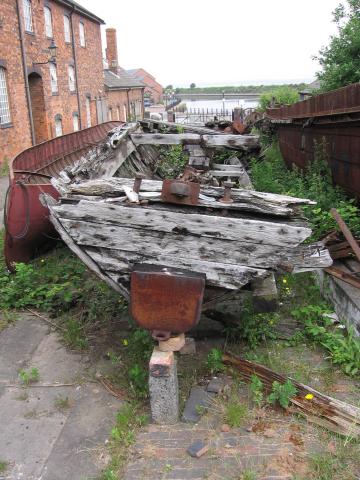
x=181 y=192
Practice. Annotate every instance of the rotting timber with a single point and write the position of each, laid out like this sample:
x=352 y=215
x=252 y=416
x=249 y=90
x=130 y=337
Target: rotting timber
x=184 y=227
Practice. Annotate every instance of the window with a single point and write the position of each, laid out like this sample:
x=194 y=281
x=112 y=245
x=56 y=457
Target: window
x=53 y=78
x=118 y=112
x=67 y=33
x=48 y=22
x=4 y=99
x=28 y=16
x=82 y=34
x=58 y=126
x=110 y=113
x=76 y=121
x=72 y=83
x=88 y=112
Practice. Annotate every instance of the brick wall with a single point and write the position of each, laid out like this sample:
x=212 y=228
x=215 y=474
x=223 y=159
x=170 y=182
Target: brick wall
x=152 y=86
x=17 y=136
x=120 y=106
x=13 y=139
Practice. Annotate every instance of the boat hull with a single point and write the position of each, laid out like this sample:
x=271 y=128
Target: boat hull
x=27 y=224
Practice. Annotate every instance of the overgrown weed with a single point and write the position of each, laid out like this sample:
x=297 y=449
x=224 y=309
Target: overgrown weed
x=128 y=420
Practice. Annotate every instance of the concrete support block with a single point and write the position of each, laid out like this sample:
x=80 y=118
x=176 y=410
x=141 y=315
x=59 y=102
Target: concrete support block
x=265 y=294
x=163 y=387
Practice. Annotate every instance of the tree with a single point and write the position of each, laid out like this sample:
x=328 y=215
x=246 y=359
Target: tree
x=340 y=60
x=192 y=86
x=169 y=88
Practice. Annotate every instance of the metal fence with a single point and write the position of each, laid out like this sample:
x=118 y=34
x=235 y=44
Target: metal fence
x=200 y=116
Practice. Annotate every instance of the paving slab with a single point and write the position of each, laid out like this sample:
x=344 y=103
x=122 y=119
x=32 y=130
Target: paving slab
x=17 y=344
x=38 y=439
x=199 y=399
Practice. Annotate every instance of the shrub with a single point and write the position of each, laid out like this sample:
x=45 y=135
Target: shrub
x=283 y=95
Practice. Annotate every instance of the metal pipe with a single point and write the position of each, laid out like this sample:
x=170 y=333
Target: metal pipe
x=26 y=79
x=75 y=65
x=128 y=103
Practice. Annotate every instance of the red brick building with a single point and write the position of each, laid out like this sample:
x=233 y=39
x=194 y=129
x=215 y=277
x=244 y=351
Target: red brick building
x=125 y=93
x=40 y=99
x=153 y=89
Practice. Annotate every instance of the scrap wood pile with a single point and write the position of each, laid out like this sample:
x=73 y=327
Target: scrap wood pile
x=328 y=412
x=343 y=246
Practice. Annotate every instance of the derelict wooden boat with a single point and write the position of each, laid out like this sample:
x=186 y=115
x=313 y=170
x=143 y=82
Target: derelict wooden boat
x=27 y=225
x=231 y=237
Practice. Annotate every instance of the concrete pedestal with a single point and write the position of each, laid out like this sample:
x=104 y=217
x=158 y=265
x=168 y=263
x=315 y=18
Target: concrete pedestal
x=163 y=387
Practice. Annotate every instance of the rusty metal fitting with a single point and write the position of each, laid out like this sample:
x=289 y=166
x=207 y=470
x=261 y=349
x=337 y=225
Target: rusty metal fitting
x=160 y=335
x=227 y=193
x=137 y=182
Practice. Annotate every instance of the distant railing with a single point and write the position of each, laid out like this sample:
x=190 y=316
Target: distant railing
x=202 y=115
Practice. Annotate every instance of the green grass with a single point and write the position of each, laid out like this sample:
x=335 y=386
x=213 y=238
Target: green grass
x=29 y=376
x=269 y=174
x=3 y=466
x=4 y=167
x=129 y=419
x=235 y=412
x=62 y=403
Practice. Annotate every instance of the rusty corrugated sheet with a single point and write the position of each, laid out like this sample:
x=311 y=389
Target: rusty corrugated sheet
x=331 y=118
x=337 y=102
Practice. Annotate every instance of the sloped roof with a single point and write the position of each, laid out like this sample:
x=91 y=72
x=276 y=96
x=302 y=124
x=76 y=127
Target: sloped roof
x=122 y=80
x=136 y=72
x=80 y=9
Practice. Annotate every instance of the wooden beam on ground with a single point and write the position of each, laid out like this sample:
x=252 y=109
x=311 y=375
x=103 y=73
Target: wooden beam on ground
x=165 y=138
x=328 y=412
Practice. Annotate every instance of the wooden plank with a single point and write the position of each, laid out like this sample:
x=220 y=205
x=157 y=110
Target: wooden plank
x=222 y=166
x=347 y=233
x=120 y=262
x=155 y=242
x=164 y=138
x=178 y=126
x=337 y=416
x=205 y=248
x=89 y=262
x=233 y=141
x=114 y=186
x=349 y=278
x=226 y=173
x=111 y=164
x=239 y=229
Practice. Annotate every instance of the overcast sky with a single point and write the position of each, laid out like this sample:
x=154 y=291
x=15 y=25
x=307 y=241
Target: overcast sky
x=212 y=42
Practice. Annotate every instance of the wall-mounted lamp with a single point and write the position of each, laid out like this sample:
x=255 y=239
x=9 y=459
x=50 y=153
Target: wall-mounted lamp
x=52 y=49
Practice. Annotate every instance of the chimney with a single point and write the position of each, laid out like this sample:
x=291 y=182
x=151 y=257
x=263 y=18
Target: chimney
x=111 y=49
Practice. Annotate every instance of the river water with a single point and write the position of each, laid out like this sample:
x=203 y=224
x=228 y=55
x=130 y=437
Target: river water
x=227 y=104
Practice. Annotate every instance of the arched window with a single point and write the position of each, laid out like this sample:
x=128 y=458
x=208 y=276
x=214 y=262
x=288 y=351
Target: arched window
x=4 y=99
x=72 y=82
x=48 y=22
x=82 y=34
x=58 y=126
x=118 y=112
x=76 y=124
x=28 y=20
x=67 y=34
x=88 y=111
x=53 y=78
x=110 y=113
